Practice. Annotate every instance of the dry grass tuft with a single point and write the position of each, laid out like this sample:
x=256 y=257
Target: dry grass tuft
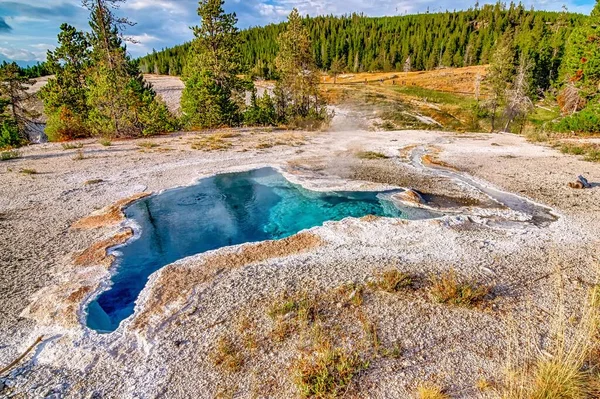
x=448 y=289
x=302 y=307
x=79 y=156
x=431 y=391
x=8 y=155
x=327 y=372
x=148 y=145
x=371 y=155
x=228 y=356
x=28 y=171
x=92 y=182
x=215 y=142
x=393 y=281
x=484 y=385
x=105 y=142
x=352 y=294
x=72 y=146
x=569 y=368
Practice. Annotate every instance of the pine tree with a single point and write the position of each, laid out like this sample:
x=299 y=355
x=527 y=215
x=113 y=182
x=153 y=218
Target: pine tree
x=64 y=96
x=266 y=110
x=298 y=87
x=501 y=72
x=337 y=67
x=15 y=116
x=120 y=103
x=519 y=102
x=213 y=94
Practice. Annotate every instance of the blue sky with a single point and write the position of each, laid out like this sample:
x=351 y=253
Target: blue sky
x=28 y=28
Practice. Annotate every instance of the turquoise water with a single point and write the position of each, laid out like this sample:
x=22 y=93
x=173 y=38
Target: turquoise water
x=220 y=211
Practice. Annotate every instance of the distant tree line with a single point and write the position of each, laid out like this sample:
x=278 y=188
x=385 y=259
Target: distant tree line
x=356 y=43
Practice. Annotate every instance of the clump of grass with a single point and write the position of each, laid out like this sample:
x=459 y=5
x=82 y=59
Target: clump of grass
x=431 y=391
x=393 y=281
x=484 y=385
x=72 y=146
x=352 y=293
x=93 y=181
x=8 y=155
x=79 y=156
x=371 y=155
x=215 y=142
x=147 y=145
x=227 y=356
x=28 y=171
x=283 y=330
x=449 y=290
x=105 y=142
x=567 y=368
x=327 y=373
x=265 y=145
x=387 y=126
x=572 y=149
x=395 y=352
x=302 y=307
x=591 y=152
x=230 y=135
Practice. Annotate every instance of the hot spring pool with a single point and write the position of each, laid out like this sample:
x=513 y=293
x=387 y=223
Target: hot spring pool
x=227 y=209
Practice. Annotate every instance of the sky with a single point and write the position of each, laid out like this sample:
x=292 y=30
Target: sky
x=28 y=28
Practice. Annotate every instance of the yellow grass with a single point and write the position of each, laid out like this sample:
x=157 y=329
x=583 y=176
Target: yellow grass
x=430 y=391
x=457 y=80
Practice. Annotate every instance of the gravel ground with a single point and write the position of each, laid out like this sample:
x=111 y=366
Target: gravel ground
x=167 y=348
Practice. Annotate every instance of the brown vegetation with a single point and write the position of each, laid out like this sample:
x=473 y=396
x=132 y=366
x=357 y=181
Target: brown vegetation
x=109 y=216
x=97 y=253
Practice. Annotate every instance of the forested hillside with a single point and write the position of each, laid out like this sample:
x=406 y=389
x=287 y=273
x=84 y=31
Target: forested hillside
x=413 y=42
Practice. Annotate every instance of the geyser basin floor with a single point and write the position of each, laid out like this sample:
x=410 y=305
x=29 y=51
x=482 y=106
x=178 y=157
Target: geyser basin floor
x=224 y=210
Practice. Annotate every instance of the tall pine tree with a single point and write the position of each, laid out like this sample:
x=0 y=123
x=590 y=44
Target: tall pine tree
x=213 y=94
x=15 y=116
x=120 y=103
x=65 y=101
x=297 y=91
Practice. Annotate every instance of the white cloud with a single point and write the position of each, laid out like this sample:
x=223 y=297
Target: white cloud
x=20 y=54
x=166 y=5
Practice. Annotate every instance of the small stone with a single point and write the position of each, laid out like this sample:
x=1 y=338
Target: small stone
x=410 y=196
x=576 y=185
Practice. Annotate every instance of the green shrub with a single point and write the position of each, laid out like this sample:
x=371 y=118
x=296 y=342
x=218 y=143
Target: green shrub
x=586 y=121
x=64 y=125
x=10 y=135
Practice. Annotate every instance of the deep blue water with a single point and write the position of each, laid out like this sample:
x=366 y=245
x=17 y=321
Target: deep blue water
x=220 y=211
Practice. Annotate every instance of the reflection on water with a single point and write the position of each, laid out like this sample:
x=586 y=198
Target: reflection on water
x=220 y=211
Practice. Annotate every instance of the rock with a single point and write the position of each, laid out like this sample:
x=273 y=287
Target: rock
x=580 y=184
x=576 y=185
x=410 y=196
